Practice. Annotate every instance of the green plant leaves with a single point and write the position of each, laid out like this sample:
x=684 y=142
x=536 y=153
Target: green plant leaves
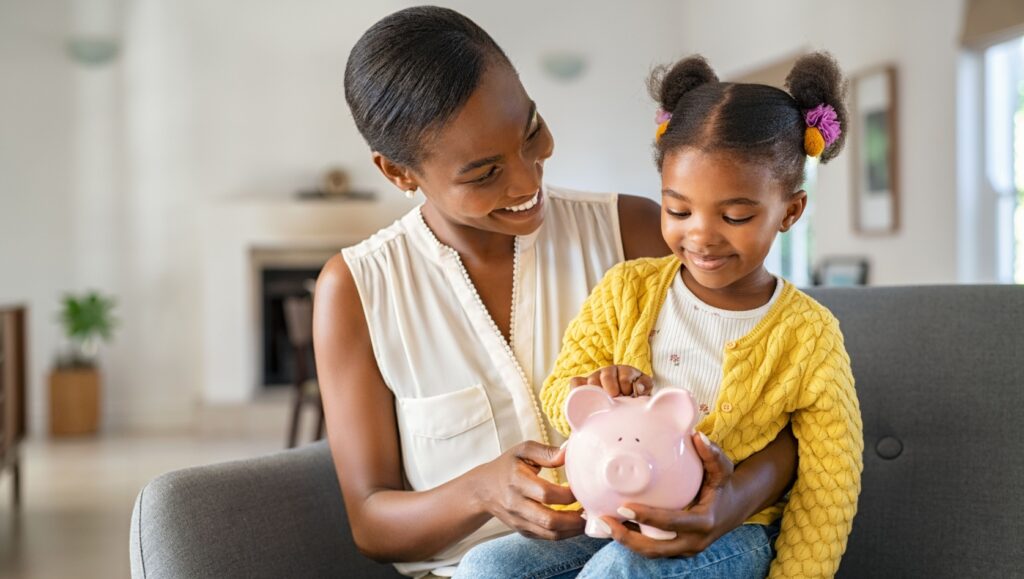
x=88 y=316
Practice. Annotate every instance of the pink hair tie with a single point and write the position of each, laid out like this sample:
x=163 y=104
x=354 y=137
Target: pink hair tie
x=823 y=117
x=662 y=116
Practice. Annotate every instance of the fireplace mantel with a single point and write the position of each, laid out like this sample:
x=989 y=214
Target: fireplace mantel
x=234 y=230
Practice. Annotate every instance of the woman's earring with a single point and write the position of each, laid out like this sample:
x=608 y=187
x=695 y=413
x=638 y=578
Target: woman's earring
x=411 y=193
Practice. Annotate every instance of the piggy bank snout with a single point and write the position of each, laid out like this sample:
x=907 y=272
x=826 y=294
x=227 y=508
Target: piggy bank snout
x=627 y=473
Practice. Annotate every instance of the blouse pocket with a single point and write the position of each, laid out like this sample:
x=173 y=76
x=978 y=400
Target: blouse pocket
x=446 y=435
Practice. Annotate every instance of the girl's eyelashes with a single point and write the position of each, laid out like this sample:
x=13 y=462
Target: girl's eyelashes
x=729 y=220
x=737 y=221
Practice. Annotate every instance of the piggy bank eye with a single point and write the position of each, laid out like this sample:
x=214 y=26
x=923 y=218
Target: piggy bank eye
x=620 y=439
x=637 y=439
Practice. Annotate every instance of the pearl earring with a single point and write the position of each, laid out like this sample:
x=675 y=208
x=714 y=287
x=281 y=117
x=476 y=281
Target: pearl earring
x=411 y=193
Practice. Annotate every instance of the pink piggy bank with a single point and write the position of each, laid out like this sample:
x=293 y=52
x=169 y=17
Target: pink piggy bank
x=631 y=450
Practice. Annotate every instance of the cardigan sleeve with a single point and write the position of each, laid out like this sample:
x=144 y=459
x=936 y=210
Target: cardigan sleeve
x=827 y=424
x=587 y=346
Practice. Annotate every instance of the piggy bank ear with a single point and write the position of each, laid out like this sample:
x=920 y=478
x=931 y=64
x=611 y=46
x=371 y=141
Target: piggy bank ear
x=583 y=402
x=677 y=404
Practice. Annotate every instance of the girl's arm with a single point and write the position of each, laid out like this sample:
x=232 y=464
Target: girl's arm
x=819 y=516
x=388 y=522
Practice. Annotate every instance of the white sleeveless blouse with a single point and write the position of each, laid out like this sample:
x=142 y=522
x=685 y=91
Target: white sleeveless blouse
x=463 y=394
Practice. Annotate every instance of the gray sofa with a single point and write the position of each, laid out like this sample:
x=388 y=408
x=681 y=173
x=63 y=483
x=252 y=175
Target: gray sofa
x=940 y=376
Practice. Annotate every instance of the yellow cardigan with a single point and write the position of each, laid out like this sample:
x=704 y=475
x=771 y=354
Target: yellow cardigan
x=791 y=368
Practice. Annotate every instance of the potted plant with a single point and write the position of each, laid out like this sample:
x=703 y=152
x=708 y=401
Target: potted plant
x=75 y=383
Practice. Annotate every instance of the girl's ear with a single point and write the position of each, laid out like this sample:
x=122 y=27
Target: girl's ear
x=795 y=206
x=399 y=175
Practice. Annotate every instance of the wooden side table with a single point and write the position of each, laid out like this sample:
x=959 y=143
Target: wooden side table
x=13 y=384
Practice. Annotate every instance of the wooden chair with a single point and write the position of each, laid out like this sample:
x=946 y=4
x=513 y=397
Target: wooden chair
x=12 y=393
x=298 y=317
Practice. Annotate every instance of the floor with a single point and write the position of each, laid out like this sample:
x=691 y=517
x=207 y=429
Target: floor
x=78 y=493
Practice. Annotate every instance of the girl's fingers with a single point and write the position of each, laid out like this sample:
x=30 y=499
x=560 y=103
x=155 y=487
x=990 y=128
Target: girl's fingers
x=609 y=377
x=644 y=385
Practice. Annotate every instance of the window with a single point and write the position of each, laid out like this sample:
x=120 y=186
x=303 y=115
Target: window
x=1004 y=152
x=791 y=253
x=990 y=142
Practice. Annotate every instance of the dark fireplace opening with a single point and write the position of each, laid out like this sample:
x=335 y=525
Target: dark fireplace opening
x=279 y=357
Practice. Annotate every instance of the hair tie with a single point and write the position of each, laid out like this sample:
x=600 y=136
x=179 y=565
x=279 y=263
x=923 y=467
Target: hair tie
x=662 y=118
x=822 y=129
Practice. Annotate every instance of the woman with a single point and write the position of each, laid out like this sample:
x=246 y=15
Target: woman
x=434 y=335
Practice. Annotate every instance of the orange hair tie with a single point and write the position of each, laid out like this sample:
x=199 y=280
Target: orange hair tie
x=814 y=142
x=661 y=130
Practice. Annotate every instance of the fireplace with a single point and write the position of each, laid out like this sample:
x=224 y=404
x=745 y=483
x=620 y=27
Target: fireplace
x=280 y=274
x=241 y=238
x=278 y=356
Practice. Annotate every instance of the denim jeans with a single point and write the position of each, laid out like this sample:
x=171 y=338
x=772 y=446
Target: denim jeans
x=746 y=551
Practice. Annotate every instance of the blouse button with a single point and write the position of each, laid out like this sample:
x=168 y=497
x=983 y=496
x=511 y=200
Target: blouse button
x=726 y=407
x=730 y=345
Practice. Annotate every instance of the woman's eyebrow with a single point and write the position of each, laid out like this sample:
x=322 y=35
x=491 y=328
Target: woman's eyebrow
x=479 y=163
x=496 y=158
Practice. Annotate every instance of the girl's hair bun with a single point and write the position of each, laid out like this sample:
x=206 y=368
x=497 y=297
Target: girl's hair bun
x=668 y=85
x=816 y=79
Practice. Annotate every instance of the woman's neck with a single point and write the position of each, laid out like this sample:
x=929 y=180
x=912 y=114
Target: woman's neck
x=470 y=242
x=748 y=293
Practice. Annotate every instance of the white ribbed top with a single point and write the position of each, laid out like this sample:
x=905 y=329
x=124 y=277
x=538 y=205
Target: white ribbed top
x=688 y=342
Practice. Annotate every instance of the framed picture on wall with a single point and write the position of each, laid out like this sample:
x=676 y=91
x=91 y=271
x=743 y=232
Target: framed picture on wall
x=873 y=119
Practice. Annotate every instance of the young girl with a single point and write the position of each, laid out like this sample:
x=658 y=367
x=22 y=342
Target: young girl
x=755 y=352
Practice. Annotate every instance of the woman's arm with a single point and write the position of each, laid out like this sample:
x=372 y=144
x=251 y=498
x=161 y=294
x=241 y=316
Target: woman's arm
x=388 y=522
x=640 y=225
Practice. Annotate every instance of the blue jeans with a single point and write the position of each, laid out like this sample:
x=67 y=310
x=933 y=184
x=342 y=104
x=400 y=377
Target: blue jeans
x=746 y=551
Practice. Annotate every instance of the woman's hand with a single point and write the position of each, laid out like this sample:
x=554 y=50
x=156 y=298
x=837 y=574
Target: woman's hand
x=617 y=381
x=715 y=512
x=510 y=489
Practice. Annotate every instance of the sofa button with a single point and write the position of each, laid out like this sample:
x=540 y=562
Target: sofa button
x=889 y=447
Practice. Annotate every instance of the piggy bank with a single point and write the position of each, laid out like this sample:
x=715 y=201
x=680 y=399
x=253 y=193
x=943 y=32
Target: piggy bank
x=631 y=450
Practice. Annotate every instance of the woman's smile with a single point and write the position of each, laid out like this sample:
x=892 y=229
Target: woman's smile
x=523 y=211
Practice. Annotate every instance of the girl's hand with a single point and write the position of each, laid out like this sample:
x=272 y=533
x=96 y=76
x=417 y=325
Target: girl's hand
x=617 y=381
x=714 y=513
x=510 y=489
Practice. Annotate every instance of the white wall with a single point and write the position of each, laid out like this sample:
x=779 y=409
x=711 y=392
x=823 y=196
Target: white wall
x=107 y=175
x=37 y=112
x=223 y=104
x=921 y=37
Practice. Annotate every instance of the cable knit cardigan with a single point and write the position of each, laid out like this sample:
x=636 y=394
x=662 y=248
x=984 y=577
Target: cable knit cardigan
x=792 y=367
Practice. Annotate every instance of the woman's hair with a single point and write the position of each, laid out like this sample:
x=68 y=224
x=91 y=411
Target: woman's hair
x=755 y=122
x=411 y=72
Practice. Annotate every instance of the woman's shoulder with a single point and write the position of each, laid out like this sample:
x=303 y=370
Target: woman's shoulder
x=574 y=197
x=376 y=242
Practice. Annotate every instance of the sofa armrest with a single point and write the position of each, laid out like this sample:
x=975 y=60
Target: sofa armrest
x=274 y=516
